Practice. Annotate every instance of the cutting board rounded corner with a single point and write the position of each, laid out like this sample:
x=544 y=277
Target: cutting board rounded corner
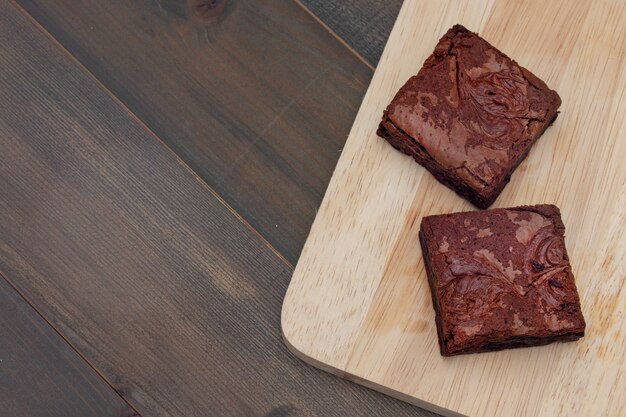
x=285 y=327
x=302 y=351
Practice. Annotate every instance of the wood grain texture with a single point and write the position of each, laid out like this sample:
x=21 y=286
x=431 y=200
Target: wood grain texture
x=135 y=261
x=40 y=374
x=359 y=302
x=258 y=99
x=363 y=24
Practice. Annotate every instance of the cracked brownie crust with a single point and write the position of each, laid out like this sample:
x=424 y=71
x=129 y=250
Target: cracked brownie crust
x=500 y=279
x=470 y=115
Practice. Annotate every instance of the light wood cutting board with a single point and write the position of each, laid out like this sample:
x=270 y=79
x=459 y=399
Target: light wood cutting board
x=359 y=303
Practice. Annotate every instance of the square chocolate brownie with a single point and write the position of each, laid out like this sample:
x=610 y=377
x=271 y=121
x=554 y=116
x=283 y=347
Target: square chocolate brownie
x=500 y=279
x=469 y=116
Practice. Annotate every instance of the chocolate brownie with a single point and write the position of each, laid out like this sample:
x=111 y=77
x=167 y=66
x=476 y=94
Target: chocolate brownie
x=469 y=116
x=500 y=279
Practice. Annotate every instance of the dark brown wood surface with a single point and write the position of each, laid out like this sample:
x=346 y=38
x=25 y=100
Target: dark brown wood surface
x=257 y=100
x=40 y=374
x=134 y=259
x=363 y=24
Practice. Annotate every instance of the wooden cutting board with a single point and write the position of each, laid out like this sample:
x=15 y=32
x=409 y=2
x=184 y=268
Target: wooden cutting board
x=359 y=303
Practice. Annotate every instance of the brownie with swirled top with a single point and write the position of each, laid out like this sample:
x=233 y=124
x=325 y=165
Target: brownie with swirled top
x=500 y=279
x=470 y=115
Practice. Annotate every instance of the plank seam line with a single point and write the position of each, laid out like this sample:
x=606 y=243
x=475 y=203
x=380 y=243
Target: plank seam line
x=67 y=341
x=142 y=125
x=335 y=35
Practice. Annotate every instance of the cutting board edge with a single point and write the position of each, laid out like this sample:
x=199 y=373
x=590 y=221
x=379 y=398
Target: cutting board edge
x=310 y=360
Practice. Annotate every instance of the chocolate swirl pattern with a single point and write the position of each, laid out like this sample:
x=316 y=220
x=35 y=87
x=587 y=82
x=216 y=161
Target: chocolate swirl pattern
x=497 y=95
x=475 y=284
x=471 y=286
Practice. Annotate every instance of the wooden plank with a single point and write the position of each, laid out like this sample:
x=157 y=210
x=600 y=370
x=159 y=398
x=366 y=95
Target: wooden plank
x=363 y=24
x=136 y=262
x=257 y=100
x=359 y=302
x=40 y=374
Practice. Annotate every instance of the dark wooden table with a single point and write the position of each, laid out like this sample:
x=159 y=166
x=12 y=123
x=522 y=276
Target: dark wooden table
x=160 y=166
